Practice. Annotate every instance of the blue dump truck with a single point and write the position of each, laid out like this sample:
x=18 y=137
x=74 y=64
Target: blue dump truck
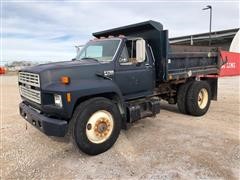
x=117 y=78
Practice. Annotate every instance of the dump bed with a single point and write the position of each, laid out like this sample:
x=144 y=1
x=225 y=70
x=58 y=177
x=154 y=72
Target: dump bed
x=188 y=61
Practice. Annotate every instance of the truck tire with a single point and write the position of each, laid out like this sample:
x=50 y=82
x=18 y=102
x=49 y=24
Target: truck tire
x=181 y=97
x=96 y=125
x=198 y=98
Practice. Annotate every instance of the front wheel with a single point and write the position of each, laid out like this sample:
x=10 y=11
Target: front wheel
x=198 y=98
x=97 y=124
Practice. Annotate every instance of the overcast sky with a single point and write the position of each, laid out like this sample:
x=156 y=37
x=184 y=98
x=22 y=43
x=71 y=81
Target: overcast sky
x=48 y=31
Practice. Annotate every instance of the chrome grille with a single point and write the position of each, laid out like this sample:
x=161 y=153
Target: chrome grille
x=32 y=94
x=28 y=83
x=29 y=78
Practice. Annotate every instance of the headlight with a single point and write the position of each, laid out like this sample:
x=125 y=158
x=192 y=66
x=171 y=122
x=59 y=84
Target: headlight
x=58 y=100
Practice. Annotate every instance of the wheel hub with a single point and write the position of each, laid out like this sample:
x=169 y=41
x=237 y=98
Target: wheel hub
x=202 y=98
x=99 y=126
x=102 y=127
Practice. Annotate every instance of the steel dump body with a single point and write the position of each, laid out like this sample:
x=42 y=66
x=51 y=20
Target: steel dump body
x=187 y=61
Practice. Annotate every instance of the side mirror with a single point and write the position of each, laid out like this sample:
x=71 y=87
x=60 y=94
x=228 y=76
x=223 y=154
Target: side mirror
x=78 y=48
x=140 y=50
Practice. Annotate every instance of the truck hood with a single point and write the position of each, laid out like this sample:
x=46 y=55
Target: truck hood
x=76 y=70
x=58 y=65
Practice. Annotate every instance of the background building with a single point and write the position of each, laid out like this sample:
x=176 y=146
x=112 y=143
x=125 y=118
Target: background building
x=224 y=39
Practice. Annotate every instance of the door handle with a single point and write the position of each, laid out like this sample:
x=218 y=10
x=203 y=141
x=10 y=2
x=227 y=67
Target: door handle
x=148 y=66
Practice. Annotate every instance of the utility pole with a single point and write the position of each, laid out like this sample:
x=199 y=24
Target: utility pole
x=210 y=25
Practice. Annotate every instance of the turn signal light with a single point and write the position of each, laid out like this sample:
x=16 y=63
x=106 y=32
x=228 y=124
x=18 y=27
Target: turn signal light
x=68 y=97
x=65 y=80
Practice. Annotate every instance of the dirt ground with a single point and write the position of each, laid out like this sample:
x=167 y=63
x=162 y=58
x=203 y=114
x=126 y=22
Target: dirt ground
x=169 y=146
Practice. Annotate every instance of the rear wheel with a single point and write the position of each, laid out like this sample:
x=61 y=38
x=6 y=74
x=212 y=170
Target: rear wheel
x=198 y=98
x=97 y=124
x=181 y=97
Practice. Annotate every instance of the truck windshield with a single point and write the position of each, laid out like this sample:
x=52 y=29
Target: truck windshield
x=100 y=50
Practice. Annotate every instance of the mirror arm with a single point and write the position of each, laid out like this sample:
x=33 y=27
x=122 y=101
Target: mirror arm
x=152 y=54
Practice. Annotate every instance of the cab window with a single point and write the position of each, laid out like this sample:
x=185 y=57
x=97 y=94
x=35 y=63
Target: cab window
x=128 y=55
x=100 y=50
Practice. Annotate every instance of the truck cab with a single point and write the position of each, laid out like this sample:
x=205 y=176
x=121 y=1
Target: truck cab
x=131 y=67
x=117 y=78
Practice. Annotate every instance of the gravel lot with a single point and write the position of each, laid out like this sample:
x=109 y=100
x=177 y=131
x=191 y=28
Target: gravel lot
x=169 y=146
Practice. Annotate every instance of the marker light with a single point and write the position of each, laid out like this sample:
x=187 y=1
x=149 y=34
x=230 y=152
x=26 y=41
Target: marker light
x=65 y=80
x=68 y=97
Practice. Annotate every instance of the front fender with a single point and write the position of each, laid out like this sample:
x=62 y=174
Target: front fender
x=80 y=89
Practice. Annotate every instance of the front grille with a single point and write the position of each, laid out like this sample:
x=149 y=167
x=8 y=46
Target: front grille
x=29 y=78
x=28 y=84
x=32 y=94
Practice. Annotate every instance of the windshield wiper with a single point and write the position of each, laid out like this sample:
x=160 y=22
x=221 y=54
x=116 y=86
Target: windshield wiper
x=90 y=58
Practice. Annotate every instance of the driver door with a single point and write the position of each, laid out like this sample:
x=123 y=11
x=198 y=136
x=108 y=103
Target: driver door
x=133 y=78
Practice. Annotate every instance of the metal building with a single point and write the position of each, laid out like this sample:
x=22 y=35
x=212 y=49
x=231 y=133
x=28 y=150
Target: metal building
x=221 y=39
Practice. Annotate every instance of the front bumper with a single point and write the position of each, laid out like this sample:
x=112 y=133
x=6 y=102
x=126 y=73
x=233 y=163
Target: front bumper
x=49 y=126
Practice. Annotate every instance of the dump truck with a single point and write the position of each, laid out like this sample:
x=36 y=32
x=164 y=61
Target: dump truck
x=117 y=78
